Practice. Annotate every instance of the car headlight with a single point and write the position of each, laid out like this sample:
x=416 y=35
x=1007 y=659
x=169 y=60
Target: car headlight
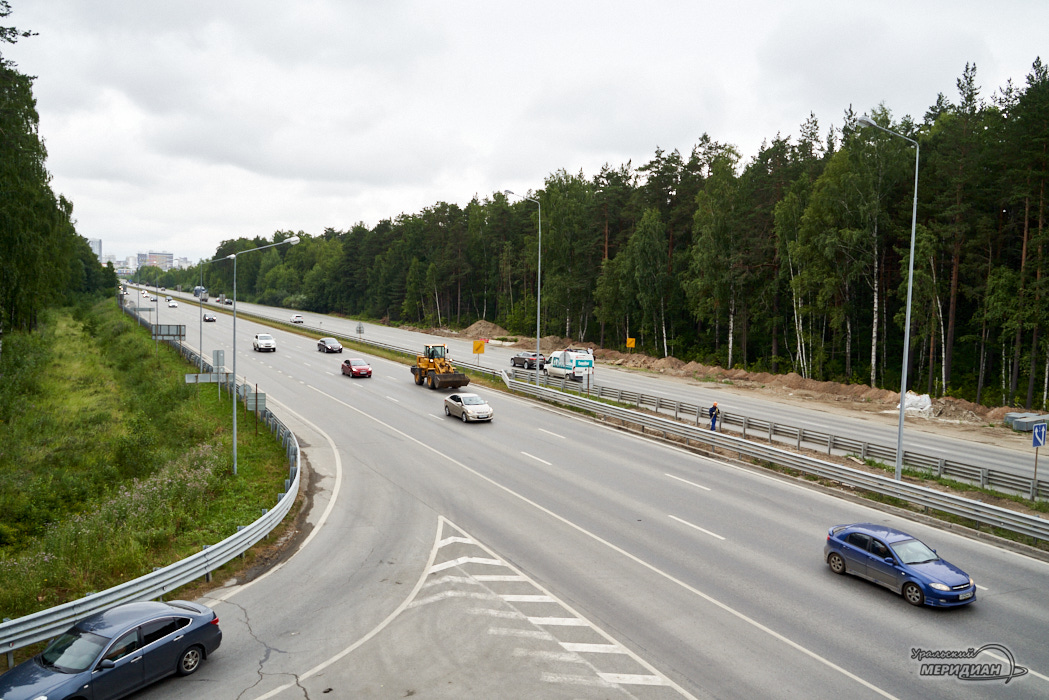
x=971 y=582
x=939 y=586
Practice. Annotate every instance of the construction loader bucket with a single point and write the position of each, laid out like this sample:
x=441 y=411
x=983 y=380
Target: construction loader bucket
x=450 y=380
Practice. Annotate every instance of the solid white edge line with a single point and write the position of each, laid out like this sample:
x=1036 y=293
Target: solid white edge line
x=697 y=527
x=320 y=523
x=378 y=628
x=615 y=548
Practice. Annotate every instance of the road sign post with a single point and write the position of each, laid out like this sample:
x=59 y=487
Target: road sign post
x=1037 y=441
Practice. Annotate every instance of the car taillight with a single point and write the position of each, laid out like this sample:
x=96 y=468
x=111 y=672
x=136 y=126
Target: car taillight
x=215 y=620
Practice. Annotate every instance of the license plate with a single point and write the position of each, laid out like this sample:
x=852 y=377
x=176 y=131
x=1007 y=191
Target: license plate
x=965 y=596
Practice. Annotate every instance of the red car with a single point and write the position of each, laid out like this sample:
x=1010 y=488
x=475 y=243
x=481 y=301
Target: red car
x=356 y=367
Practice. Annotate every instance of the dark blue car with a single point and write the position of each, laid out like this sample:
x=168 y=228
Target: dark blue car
x=899 y=562
x=112 y=654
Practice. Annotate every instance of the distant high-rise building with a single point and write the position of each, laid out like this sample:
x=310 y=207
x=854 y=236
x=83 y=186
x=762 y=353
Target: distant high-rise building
x=162 y=260
x=96 y=246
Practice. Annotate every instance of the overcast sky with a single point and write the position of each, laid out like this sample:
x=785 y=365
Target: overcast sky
x=175 y=126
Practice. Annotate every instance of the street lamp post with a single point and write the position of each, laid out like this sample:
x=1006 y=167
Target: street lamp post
x=233 y=256
x=866 y=121
x=538 y=280
x=200 y=311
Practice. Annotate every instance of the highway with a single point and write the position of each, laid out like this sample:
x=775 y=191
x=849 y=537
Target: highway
x=546 y=556
x=1009 y=452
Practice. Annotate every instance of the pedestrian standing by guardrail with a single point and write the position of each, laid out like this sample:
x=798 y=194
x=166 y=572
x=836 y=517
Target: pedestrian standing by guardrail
x=715 y=413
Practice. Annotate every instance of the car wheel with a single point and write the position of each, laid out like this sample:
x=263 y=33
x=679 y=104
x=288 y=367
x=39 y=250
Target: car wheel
x=189 y=661
x=912 y=593
x=463 y=416
x=447 y=412
x=837 y=563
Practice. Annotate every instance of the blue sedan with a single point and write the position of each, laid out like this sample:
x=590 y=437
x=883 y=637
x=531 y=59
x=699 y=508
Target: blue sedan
x=898 y=561
x=114 y=653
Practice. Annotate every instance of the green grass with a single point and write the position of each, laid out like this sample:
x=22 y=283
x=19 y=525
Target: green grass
x=110 y=465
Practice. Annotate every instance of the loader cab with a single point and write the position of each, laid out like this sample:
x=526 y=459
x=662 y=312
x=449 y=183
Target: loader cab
x=436 y=352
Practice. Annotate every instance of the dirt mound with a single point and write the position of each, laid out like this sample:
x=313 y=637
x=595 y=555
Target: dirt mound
x=485 y=329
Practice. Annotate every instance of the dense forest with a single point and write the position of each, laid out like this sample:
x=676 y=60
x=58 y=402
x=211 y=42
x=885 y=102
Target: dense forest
x=795 y=260
x=43 y=261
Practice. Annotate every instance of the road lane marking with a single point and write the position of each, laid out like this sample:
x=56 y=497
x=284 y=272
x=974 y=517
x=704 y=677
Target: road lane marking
x=597 y=538
x=320 y=523
x=690 y=483
x=543 y=430
x=685 y=522
x=392 y=399
x=537 y=459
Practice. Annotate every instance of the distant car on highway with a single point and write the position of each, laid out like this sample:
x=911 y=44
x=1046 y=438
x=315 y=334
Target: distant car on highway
x=297 y=318
x=899 y=562
x=114 y=653
x=208 y=318
x=173 y=304
x=264 y=342
x=468 y=407
x=356 y=367
x=527 y=360
x=329 y=345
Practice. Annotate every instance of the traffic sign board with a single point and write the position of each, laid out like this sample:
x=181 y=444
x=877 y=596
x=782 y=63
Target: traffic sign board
x=1039 y=435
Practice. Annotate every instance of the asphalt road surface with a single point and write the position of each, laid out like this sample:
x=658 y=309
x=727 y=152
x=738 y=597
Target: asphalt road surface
x=545 y=556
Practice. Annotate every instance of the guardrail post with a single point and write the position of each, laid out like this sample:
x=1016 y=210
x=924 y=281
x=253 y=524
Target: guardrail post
x=677 y=408
x=830 y=444
x=10 y=654
x=207 y=574
x=657 y=404
x=746 y=420
x=772 y=429
x=801 y=434
x=698 y=411
x=863 y=451
x=939 y=467
x=983 y=478
x=1034 y=489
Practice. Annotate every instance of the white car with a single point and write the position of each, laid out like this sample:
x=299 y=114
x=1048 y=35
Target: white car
x=264 y=342
x=468 y=407
x=297 y=318
x=173 y=304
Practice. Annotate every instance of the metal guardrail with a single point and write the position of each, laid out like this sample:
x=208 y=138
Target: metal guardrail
x=747 y=426
x=983 y=513
x=753 y=428
x=43 y=625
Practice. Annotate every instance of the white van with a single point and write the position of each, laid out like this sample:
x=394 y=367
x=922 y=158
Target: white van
x=572 y=363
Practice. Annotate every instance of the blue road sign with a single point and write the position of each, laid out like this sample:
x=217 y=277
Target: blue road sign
x=1039 y=435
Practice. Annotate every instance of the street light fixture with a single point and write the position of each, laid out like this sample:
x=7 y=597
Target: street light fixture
x=233 y=256
x=866 y=121
x=538 y=279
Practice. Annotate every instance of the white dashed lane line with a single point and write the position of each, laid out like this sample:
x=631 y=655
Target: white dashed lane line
x=690 y=483
x=696 y=527
x=537 y=459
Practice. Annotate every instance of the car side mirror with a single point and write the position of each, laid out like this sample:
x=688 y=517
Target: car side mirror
x=106 y=664
x=890 y=560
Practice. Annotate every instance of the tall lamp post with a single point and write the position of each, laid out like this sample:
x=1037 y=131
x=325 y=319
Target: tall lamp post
x=200 y=312
x=538 y=280
x=233 y=256
x=866 y=121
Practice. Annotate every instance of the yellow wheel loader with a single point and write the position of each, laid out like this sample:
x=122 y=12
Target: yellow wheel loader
x=433 y=369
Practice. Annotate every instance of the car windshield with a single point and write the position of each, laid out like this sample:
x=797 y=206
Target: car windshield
x=73 y=652
x=265 y=337
x=914 y=552
x=473 y=401
x=358 y=363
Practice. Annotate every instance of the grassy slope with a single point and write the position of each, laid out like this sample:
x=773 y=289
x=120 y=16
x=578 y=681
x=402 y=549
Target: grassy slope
x=110 y=464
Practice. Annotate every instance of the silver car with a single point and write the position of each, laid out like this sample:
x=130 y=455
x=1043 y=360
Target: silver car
x=468 y=407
